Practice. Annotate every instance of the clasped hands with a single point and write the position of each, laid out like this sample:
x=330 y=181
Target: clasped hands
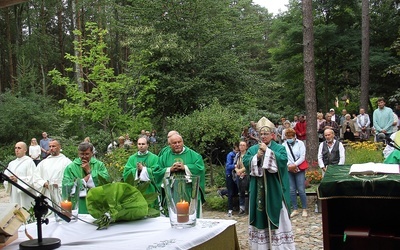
x=177 y=166
x=261 y=149
x=293 y=168
x=13 y=178
x=86 y=168
x=47 y=185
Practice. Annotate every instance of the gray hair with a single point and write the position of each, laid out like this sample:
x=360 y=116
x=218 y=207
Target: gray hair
x=83 y=146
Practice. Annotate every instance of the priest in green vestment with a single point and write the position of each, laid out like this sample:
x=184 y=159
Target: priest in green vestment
x=269 y=199
x=181 y=160
x=141 y=166
x=84 y=172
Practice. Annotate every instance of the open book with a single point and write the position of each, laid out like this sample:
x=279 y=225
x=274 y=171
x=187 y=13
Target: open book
x=374 y=168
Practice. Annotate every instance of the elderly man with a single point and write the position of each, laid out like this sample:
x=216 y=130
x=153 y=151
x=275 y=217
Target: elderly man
x=181 y=160
x=269 y=201
x=20 y=171
x=331 y=151
x=48 y=175
x=86 y=171
x=383 y=120
x=363 y=123
x=141 y=165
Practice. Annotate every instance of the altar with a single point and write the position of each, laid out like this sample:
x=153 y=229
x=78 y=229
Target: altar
x=152 y=233
x=360 y=211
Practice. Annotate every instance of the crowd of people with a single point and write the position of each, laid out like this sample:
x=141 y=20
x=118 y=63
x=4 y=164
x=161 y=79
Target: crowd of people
x=124 y=141
x=268 y=165
x=55 y=174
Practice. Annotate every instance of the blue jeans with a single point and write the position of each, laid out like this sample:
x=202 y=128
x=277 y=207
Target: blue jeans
x=297 y=184
x=242 y=191
x=232 y=190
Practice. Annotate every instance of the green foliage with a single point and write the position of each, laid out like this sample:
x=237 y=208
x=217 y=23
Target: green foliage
x=26 y=116
x=101 y=103
x=115 y=162
x=215 y=202
x=208 y=128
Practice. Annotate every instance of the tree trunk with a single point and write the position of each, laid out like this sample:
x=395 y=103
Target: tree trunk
x=309 y=82
x=365 y=56
x=10 y=51
x=77 y=25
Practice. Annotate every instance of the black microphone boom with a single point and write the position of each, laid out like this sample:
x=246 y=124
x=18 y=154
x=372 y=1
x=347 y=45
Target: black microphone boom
x=41 y=208
x=392 y=143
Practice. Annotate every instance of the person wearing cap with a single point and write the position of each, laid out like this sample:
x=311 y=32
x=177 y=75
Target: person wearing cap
x=269 y=195
x=383 y=119
x=335 y=117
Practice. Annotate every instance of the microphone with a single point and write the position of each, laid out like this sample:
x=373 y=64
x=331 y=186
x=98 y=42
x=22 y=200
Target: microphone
x=381 y=136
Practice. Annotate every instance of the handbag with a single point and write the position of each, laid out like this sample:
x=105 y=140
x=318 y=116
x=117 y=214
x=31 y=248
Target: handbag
x=303 y=165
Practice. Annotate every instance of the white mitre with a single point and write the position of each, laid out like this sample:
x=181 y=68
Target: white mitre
x=265 y=124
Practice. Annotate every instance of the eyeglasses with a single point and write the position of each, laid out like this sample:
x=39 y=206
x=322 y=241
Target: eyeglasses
x=17 y=148
x=84 y=154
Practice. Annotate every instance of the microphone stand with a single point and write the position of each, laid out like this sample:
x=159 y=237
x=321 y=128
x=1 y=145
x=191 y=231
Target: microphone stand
x=40 y=208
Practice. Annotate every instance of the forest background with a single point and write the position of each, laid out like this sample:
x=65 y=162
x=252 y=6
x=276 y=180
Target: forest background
x=104 y=68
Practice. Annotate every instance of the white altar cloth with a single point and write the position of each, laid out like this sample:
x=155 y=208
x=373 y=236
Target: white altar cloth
x=152 y=233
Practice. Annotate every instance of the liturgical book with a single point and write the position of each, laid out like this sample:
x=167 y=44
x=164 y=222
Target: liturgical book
x=374 y=168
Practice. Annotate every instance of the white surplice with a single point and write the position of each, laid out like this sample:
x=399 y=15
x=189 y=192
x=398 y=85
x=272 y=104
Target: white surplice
x=23 y=168
x=51 y=170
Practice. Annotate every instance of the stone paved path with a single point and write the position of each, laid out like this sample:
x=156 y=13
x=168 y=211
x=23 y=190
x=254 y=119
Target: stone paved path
x=307 y=230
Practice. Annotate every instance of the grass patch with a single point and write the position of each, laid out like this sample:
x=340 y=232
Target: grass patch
x=363 y=152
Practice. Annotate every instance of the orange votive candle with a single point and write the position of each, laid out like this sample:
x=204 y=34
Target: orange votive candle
x=66 y=205
x=182 y=209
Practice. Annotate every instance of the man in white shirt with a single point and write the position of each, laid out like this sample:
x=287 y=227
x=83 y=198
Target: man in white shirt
x=49 y=173
x=22 y=170
x=331 y=151
x=363 y=123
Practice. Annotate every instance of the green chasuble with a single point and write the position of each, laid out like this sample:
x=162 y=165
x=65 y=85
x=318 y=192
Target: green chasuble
x=191 y=159
x=394 y=157
x=150 y=161
x=267 y=192
x=75 y=171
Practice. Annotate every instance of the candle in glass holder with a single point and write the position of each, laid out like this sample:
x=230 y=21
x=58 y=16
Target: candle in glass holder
x=67 y=206
x=182 y=210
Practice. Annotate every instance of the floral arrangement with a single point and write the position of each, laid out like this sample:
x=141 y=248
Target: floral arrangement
x=314 y=176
